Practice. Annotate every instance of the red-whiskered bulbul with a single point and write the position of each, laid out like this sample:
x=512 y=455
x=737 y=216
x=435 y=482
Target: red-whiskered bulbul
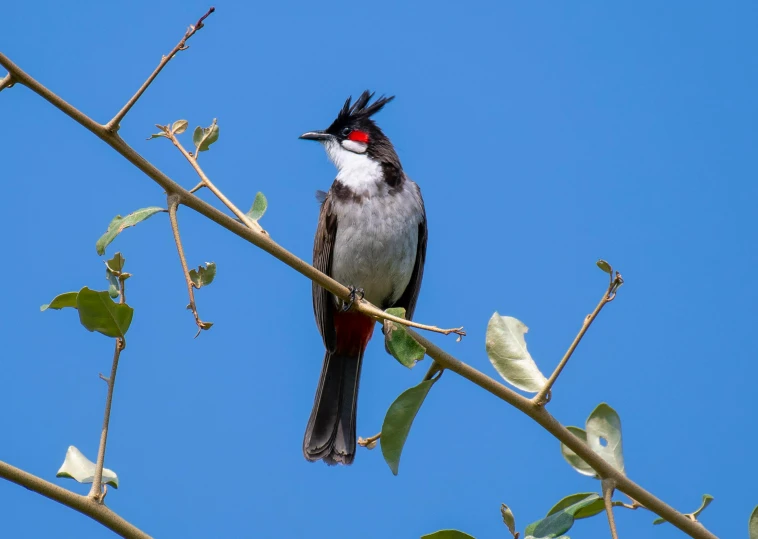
x=371 y=237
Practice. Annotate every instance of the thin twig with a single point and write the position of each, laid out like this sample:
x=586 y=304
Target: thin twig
x=207 y=183
x=113 y=125
x=96 y=491
x=6 y=82
x=538 y=413
x=173 y=204
x=608 y=488
x=544 y=395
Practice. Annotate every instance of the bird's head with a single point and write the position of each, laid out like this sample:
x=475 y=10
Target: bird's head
x=354 y=133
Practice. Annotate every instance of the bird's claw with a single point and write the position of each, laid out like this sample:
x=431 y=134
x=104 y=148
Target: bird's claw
x=354 y=292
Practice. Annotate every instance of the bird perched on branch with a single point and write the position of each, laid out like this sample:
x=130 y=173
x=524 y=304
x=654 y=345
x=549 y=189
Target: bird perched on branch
x=371 y=237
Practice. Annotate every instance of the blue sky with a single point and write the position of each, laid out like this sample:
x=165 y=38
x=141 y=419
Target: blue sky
x=543 y=135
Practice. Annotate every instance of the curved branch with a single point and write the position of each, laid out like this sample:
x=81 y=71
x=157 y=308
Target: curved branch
x=86 y=506
x=264 y=242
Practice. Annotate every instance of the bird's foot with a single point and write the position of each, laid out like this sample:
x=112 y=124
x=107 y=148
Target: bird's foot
x=354 y=294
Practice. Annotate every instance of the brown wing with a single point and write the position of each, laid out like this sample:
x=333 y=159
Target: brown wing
x=323 y=246
x=409 y=297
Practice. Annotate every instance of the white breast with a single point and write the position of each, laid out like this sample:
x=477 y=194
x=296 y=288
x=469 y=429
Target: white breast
x=377 y=229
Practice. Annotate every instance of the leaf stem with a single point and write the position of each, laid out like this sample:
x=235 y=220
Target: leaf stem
x=173 y=204
x=543 y=397
x=113 y=125
x=96 y=492
x=608 y=486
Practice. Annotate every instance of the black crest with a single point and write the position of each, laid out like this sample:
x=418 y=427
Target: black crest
x=361 y=110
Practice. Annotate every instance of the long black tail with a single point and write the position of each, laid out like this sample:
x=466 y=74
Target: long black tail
x=330 y=434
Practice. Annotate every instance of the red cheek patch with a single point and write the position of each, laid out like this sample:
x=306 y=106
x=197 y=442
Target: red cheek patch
x=358 y=136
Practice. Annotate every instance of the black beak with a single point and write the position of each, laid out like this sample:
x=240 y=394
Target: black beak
x=315 y=135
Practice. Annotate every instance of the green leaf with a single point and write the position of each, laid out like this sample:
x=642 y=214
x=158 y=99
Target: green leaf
x=605 y=266
x=752 y=524
x=508 y=518
x=203 y=275
x=398 y=421
x=447 y=534
x=67 y=299
x=507 y=351
x=179 y=127
x=120 y=223
x=258 y=208
x=116 y=263
x=604 y=435
x=156 y=135
x=399 y=342
x=97 y=312
x=572 y=458
x=659 y=520
x=558 y=523
x=113 y=284
x=78 y=467
x=587 y=511
x=204 y=137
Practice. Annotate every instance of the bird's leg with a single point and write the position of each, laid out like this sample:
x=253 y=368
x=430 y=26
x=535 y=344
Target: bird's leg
x=354 y=292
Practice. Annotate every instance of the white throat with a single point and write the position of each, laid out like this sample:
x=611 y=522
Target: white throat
x=355 y=170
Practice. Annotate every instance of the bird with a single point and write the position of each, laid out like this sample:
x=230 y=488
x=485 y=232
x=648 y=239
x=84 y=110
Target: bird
x=371 y=237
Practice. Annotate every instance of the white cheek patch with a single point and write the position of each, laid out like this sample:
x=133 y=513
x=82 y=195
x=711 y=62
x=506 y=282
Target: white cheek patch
x=355 y=146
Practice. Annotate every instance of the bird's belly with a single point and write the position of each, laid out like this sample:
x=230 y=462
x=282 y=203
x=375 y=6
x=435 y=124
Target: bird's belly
x=375 y=249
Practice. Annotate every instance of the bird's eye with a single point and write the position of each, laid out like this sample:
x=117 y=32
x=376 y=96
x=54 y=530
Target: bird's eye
x=346 y=131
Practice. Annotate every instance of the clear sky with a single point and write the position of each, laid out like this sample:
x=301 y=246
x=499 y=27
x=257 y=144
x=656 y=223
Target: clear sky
x=543 y=135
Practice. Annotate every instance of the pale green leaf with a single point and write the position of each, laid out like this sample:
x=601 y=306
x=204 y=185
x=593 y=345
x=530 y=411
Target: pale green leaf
x=259 y=207
x=203 y=275
x=508 y=519
x=156 y=135
x=447 y=534
x=558 y=523
x=67 y=299
x=97 y=312
x=179 y=127
x=507 y=351
x=119 y=223
x=116 y=263
x=572 y=458
x=752 y=524
x=78 y=467
x=604 y=435
x=399 y=342
x=204 y=137
x=605 y=266
x=585 y=512
x=113 y=284
x=398 y=421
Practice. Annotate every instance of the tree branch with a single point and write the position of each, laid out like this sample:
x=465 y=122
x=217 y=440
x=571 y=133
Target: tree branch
x=87 y=506
x=6 y=82
x=264 y=242
x=113 y=125
x=543 y=397
x=541 y=416
x=173 y=204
